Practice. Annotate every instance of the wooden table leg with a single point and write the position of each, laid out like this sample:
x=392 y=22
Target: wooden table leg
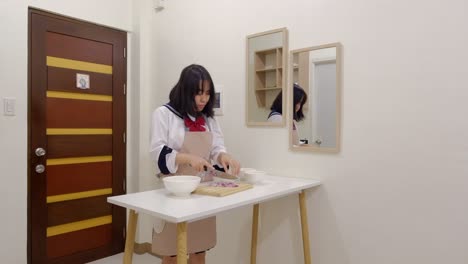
x=182 y=243
x=253 y=246
x=130 y=239
x=305 y=228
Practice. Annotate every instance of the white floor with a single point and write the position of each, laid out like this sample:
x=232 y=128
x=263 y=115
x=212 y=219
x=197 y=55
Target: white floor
x=137 y=259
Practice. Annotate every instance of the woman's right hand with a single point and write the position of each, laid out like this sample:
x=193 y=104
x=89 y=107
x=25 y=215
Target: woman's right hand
x=196 y=162
x=199 y=163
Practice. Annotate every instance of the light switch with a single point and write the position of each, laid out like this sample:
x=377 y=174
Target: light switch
x=9 y=106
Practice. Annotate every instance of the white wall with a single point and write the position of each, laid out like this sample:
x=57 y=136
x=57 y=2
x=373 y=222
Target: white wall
x=397 y=191
x=13 y=130
x=142 y=102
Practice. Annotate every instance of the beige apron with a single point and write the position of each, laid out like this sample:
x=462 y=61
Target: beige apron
x=295 y=134
x=201 y=234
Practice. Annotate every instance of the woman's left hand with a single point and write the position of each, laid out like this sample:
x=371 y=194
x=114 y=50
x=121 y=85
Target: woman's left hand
x=227 y=161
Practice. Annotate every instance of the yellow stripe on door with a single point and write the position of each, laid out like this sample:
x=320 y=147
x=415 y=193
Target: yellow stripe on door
x=77 y=160
x=79 y=96
x=78 y=65
x=78 y=195
x=78 y=131
x=80 y=225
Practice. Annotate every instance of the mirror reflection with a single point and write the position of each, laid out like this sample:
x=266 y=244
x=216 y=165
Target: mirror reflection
x=266 y=78
x=316 y=92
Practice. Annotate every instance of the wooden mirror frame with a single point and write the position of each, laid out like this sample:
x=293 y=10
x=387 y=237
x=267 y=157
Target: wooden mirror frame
x=313 y=148
x=284 y=81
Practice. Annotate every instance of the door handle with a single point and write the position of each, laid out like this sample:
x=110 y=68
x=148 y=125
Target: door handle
x=40 y=152
x=40 y=168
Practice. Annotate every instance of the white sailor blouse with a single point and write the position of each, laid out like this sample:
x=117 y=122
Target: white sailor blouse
x=167 y=136
x=275 y=117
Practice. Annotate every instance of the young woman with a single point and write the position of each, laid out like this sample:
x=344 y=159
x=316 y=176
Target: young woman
x=185 y=138
x=276 y=114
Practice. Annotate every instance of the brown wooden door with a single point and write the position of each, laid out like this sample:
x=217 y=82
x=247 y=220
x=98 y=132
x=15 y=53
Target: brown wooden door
x=77 y=114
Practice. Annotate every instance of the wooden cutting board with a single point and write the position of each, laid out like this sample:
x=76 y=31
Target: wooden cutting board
x=222 y=191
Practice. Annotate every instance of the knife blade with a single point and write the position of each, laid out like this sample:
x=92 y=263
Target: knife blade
x=224 y=175
x=217 y=173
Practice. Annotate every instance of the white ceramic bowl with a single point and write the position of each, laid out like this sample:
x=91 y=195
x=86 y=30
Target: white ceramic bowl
x=181 y=185
x=254 y=176
x=243 y=171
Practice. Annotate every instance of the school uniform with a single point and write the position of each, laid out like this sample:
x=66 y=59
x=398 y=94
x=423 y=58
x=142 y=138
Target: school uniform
x=172 y=134
x=275 y=117
x=295 y=133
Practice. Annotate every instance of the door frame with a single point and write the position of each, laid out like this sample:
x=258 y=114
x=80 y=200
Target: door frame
x=313 y=104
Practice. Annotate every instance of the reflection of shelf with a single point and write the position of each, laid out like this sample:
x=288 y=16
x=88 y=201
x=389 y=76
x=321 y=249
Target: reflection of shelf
x=268 y=75
x=301 y=72
x=268 y=69
x=301 y=69
x=267 y=88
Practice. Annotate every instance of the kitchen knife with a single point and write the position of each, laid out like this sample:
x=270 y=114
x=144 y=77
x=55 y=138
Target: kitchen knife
x=217 y=173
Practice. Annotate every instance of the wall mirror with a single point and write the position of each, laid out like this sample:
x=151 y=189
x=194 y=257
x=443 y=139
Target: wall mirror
x=315 y=76
x=266 y=76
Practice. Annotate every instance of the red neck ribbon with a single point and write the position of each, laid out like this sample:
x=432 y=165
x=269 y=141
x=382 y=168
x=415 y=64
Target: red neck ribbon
x=197 y=125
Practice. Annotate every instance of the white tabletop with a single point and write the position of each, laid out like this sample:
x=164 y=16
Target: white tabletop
x=162 y=204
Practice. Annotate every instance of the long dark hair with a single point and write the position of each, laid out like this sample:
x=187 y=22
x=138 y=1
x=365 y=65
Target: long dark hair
x=299 y=94
x=277 y=105
x=299 y=97
x=190 y=83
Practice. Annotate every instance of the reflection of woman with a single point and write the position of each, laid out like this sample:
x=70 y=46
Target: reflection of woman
x=276 y=114
x=185 y=137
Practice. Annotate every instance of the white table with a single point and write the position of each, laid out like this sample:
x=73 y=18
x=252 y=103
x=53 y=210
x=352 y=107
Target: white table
x=162 y=204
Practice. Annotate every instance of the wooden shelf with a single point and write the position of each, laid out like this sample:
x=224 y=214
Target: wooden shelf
x=301 y=72
x=266 y=70
x=301 y=69
x=267 y=88
x=268 y=74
